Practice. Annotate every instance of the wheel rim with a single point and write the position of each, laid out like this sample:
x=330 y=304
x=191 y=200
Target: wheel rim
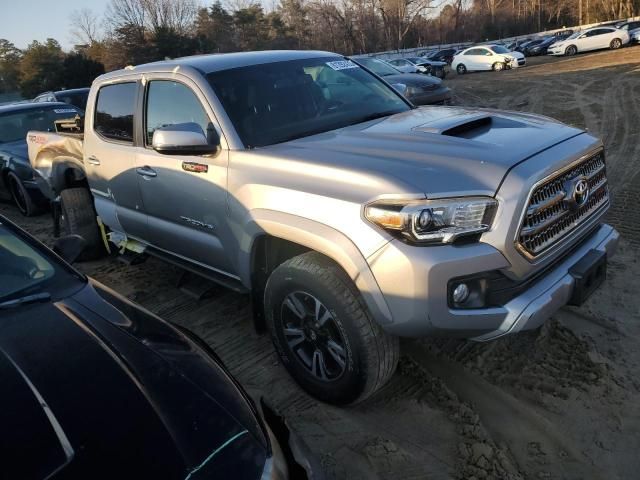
x=18 y=195
x=498 y=66
x=461 y=69
x=615 y=43
x=571 y=50
x=313 y=336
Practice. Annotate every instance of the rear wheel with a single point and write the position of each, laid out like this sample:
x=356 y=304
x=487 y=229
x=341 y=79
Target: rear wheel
x=21 y=196
x=461 y=69
x=323 y=333
x=79 y=218
x=615 y=44
x=571 y=50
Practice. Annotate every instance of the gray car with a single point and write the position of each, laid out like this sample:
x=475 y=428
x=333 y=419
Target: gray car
x=349 y=216
x=419 y=89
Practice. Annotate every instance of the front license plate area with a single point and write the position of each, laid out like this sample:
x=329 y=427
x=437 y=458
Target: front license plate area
x=589 y=272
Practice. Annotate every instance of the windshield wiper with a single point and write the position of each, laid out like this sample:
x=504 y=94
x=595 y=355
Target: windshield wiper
x=36 y=297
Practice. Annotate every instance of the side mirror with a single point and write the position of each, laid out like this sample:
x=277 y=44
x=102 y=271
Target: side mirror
x=70 y=247
x=401 y=88
x=185 y=139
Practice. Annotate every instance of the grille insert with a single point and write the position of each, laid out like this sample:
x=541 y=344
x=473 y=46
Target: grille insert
x=552 y=213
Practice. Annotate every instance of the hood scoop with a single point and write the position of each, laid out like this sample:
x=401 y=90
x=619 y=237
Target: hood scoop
x=461 y=126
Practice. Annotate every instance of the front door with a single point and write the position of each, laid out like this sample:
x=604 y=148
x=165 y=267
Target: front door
x=184 y=196
x=110 y=157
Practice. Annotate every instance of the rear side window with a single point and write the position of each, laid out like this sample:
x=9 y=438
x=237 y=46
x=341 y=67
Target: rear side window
x=114 y=111
x=172 y=103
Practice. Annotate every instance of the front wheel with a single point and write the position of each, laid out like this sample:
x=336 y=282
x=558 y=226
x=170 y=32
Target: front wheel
x=498 y=66
x=615 y=44
x=461 y=69
x=21 y=196
x=323 y=333
x=571 y=50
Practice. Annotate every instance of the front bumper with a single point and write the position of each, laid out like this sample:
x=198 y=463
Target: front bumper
x=440 y=96
x=414 y=282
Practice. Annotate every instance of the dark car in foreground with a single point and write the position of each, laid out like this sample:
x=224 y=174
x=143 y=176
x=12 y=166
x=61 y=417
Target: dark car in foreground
x=95 y=387
x=17 y=183
x=419 y=89
x=75 y=96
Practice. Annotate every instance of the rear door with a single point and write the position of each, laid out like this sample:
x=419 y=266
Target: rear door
x=184 y=196
x=110 y=154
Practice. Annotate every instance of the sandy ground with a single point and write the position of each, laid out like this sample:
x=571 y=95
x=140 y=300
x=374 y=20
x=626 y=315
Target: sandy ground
x=559 y=403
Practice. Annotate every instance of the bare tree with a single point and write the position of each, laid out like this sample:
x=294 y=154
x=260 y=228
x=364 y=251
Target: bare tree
x=84 y=26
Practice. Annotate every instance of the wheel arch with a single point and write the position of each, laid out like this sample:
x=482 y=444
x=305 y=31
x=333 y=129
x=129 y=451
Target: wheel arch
x=274 y=237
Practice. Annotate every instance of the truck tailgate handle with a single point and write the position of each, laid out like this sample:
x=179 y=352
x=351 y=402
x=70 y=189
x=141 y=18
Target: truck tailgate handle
x=146 y=171
x=93 y=160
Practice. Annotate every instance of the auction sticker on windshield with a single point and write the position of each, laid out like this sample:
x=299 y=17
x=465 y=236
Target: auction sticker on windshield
x=342 y=64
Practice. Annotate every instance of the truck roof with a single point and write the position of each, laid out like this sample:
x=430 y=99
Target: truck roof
x=221 y=61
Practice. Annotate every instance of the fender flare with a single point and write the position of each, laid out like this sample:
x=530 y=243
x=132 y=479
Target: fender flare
x=320 y=238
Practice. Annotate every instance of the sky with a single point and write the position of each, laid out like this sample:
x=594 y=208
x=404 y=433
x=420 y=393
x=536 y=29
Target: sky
x=22 y=21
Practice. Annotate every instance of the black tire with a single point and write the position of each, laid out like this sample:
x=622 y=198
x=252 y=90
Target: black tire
x=21 y=196
x=461 y=69
x=615 y=44
x=571 y=50
x=369 y=355
x=79 y=218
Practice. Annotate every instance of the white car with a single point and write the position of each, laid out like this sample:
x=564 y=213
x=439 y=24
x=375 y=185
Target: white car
x=406 y=66
x=486 y=57
x=590 y=39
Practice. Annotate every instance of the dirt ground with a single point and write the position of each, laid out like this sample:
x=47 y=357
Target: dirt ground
x=559 y=403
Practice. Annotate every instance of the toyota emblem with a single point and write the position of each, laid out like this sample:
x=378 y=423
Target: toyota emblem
x=581 y=192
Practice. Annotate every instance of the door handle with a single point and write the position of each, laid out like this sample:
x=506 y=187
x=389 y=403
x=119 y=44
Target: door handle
x=146 y=171
x=93 y=160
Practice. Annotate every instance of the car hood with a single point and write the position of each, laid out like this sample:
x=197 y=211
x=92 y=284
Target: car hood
x=434 y=63
x=440 y=151
x=412 y=79
x=93 y=379
x=516 y=55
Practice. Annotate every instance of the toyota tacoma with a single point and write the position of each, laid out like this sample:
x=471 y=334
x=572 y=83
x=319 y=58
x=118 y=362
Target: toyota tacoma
x=350 y=216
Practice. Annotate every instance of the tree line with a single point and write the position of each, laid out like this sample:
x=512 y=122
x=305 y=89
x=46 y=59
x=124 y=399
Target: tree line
x=139 y=31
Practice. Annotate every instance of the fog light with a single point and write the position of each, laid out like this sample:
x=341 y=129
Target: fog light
x=461 y=293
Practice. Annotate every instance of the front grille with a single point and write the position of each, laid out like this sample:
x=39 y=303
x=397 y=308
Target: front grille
x=521 y=61
x=552 y=213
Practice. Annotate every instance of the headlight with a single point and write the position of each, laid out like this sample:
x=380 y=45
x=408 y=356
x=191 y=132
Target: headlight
x=433 y=221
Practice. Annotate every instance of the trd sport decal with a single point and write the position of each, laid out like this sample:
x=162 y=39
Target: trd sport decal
x=195 y=167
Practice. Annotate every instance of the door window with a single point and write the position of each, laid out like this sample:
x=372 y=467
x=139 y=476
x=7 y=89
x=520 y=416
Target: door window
x=474 y=51
x=115 y=110
x=172 y=103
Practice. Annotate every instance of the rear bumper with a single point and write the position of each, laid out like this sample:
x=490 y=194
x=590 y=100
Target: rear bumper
x=414 y=282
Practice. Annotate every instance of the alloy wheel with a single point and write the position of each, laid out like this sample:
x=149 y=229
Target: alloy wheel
x=313 y=336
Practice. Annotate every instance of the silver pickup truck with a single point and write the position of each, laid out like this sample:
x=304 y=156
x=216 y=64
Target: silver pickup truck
x=351 y=217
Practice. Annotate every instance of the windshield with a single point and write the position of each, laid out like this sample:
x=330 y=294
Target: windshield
x=276 y=102
x=378 y=67
x=25 y=271
x=499 y=49
x=574 y=35
x=415 y=60
x=15 y=125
